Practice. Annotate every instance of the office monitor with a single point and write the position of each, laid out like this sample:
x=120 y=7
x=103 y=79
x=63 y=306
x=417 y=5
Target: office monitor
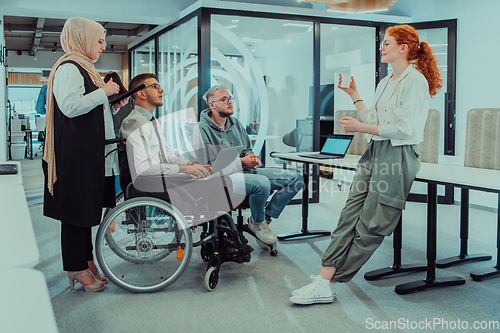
x=325 y=100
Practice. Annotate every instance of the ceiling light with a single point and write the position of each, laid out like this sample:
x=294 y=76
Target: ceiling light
x=235 y=21
x=373 y=11
x=252 y=40
x=356 y=6
x=253 y=50
x=302 y=25
x=335 y=28
x=231 y=26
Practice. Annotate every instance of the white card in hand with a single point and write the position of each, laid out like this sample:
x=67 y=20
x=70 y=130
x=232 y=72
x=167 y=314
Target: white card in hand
x=346 y=78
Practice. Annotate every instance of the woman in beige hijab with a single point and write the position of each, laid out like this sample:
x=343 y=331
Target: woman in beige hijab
x=79 y=175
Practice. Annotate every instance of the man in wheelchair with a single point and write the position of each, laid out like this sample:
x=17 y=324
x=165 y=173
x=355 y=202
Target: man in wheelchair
x=218 y=128
x=157 y=171
x=157 y=157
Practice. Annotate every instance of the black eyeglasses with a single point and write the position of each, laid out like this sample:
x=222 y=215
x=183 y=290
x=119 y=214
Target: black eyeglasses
x=225 y=100
x=154 y=85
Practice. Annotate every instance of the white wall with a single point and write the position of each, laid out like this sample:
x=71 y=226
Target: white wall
x=477 y=53
x=477 y=62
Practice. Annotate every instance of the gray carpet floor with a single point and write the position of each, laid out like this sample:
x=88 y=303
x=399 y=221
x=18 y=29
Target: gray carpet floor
x=253 y=297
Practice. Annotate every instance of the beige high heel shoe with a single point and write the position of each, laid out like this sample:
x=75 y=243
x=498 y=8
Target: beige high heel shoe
x=95 y=272
x=76 y=276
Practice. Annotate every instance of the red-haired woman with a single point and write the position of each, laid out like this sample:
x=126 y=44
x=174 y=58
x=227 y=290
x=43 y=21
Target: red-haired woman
x=394 y=127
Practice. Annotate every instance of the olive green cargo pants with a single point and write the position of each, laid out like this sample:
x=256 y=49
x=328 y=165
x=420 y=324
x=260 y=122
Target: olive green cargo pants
x=383 y=179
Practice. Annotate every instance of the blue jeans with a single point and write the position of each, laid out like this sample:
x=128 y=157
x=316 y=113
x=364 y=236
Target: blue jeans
x=286 y=183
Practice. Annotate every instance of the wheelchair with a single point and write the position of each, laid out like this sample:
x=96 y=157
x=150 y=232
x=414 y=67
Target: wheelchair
x=145 y=243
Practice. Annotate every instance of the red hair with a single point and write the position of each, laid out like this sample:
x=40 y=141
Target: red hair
x=419 y=53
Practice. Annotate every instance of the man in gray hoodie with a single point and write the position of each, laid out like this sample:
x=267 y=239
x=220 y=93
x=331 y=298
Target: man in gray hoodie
x=218 y=129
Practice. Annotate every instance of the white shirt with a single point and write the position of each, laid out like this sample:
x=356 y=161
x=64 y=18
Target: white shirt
x=400 y=108
x=69 y=90
x=143 y=149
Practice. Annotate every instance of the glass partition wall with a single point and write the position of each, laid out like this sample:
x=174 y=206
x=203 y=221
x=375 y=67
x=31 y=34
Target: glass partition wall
x=253 y=58
x=268 y=63
x=178 y=67
x=350 y=51
x=178 y=76
x=143 y=59
x=282 y=70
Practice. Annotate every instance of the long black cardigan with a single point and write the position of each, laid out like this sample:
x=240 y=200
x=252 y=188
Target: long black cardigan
x=81 y=189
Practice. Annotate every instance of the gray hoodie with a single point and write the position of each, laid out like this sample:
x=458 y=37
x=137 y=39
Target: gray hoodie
x=215 y=138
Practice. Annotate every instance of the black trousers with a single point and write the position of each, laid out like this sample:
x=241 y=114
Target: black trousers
x=76 y=242
x=76 y=245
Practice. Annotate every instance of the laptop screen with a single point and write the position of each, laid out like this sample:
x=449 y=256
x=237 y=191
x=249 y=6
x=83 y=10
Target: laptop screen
x=337 y=144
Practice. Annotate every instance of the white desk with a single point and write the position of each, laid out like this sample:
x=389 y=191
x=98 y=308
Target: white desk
x=25 y=304
x=349 y=162
x=18 y=247
x=433 y=174
x=16 y=179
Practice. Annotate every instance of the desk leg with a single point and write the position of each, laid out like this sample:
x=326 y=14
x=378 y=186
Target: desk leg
x=463 y=257
x=304 y=233
x=430 y=281
x=495 y=271
x=29 y=144
x=396 y=268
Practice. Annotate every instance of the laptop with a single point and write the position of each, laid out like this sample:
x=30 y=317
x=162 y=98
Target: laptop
x=335 y=146
x=225 y=157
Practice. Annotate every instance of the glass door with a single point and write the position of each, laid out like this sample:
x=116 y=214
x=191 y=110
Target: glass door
x=350 y=51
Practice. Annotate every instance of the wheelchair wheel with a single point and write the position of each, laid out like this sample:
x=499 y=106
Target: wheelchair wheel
x=211 y=279
x=144 y=245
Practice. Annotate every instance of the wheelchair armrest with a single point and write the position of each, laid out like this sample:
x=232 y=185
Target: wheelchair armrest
x=154 y=183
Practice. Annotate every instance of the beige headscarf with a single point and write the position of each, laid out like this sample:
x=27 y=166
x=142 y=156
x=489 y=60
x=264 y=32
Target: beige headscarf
x=78 y=38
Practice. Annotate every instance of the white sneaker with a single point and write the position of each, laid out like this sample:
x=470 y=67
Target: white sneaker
x=317 y=291
x=298 y=291
x=262 y=231
x=262 y=245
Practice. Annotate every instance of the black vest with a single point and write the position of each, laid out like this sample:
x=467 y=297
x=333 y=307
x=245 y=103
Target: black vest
x=79 y=153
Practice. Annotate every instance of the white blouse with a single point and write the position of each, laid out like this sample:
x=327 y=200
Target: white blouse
x=400 y=108
x=69 y=90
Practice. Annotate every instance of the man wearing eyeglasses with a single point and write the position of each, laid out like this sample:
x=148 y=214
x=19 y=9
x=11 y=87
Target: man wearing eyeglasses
x=218 y=129
x=151 y=154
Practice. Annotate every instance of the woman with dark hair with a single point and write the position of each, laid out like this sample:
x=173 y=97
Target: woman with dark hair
x=125 y=110
x=79 y=179
x=394 y=127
